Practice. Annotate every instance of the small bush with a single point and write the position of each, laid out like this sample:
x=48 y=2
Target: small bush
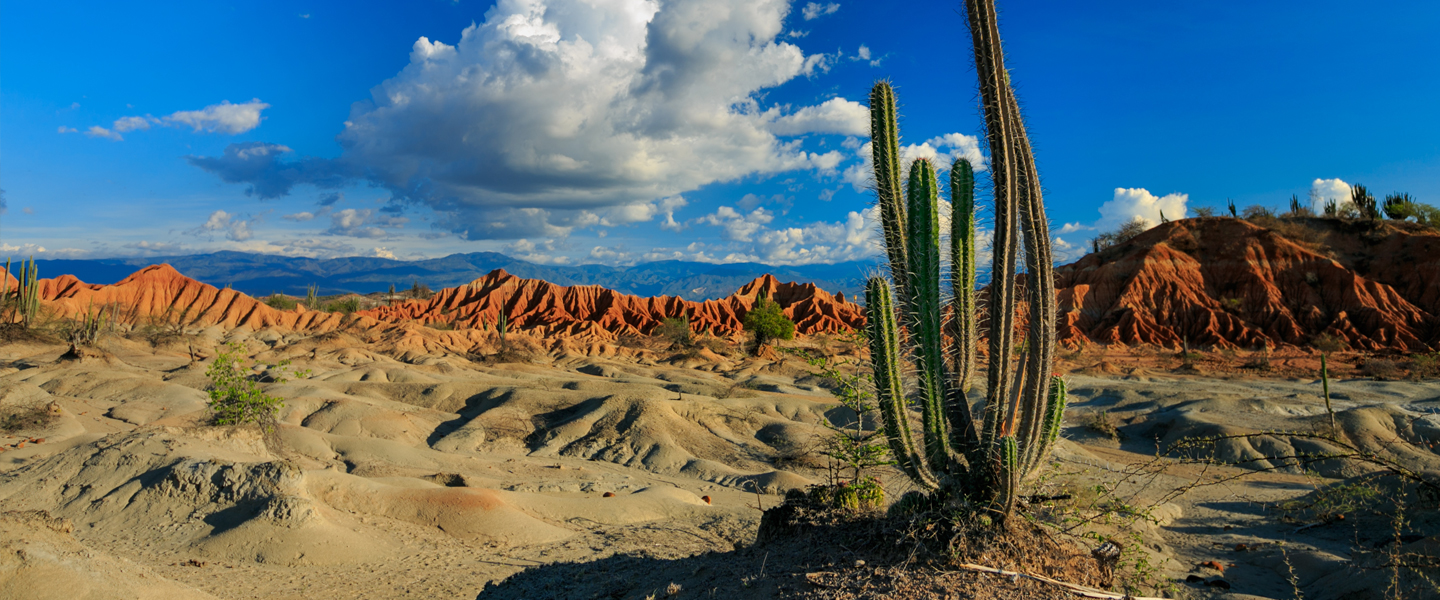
x=346 y=306
x=1103 y=423
x=1125 y=233
x=281 y=302
x=1259 y=361
x=1232 y=305
x=1204 y=212
x=420 y=291
x=1425 y=366
x=1256 y=211
x=27 y=418
x=767 y=322
x=1380 y=368
x=1328 y=343
x=675 y=330
x=235 y=397
x=441 y=325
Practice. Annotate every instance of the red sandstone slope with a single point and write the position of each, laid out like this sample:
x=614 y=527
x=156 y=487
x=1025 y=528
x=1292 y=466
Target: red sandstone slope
x=1227 y=282
x=159 y=293
x=588 y=310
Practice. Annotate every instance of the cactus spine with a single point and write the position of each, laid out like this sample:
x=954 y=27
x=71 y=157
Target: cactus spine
x=1023 y=407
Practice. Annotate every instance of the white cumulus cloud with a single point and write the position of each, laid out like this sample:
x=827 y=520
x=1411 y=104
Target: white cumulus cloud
x=101 y=132
x=234 y=228
x=815 y=10
x=216 y=118
x=1129 y=203
x=1325 y=190
x=550 y=111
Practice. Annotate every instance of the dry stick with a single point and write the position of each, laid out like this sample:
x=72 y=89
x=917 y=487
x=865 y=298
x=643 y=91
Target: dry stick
x=1325 y=384
x=1079 y=590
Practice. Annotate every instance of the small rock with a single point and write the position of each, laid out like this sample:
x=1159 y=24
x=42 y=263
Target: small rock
x=608 y=495
x=1210 y=564
x=706 y=499
x=859 y=563
x=1194 y=579
x=1218 y=583
x=1242 y=548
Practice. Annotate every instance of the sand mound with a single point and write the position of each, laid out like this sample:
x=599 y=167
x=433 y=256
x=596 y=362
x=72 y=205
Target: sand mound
x=41 y=560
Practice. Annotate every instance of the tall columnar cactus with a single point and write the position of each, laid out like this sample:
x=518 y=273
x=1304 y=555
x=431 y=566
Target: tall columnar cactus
x=28 y=293
x=1023 y=406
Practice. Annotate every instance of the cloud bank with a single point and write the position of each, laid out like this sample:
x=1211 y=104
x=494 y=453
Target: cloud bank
x=557 y=114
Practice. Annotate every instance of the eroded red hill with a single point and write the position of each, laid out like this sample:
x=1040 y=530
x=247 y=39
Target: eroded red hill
x=1229 y=283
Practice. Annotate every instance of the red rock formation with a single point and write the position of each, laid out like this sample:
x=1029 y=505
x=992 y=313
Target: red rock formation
x=160 y=294
x=1226 y=282
x=578 y=318
x=588 y=310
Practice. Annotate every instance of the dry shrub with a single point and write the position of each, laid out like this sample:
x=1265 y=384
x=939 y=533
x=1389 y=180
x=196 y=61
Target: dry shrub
x=1259 y=361
x=28 y=418
x=516 y=350
x=1103 y=423
x=1380 y=368
x=1425 y=366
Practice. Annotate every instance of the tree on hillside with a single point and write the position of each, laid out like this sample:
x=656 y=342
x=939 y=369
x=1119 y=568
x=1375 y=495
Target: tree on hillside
x=767 y=322
x=1125 y=233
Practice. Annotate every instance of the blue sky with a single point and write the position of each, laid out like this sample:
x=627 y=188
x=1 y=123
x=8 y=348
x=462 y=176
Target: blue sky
x=621 y=131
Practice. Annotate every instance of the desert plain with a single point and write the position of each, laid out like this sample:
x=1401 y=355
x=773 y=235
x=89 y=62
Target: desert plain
x=421 y=452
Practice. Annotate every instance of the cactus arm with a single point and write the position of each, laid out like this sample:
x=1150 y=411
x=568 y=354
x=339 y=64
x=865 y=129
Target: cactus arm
x=923 y=314
x=890 y=392
x=1050 y=427
x=5 y=287
x=964 y=437
x=1008 y=452
x=885 y=153
x=1039 y=289
x=990 y=67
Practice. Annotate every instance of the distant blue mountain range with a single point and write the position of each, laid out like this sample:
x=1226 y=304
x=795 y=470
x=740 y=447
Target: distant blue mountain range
x=262 y=274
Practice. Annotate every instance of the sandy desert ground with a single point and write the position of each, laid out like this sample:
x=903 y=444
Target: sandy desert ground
x=628 y=476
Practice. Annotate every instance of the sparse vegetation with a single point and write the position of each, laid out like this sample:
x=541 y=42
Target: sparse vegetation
x=1256 y=211
x=24 y=308
x=420 y=291
x=14 y=419
x=281 y=302
x=1103 y=423
x=1425 y=366
x=346 y=305
x=767 y=322
x=676 y=331
x=1380 y=368
x=1124 y=233
x=89 y=326
x=235 y=395
x=1364 y=202
x=1204 y=212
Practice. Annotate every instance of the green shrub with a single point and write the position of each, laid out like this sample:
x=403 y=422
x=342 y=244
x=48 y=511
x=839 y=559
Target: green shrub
x=767 y=322
x=676 y=330
x=235 y=397
x=281 y=302
x=347 y=305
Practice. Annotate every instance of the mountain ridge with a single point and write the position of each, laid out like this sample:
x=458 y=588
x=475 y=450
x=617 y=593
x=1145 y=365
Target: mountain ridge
x=263 y=274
